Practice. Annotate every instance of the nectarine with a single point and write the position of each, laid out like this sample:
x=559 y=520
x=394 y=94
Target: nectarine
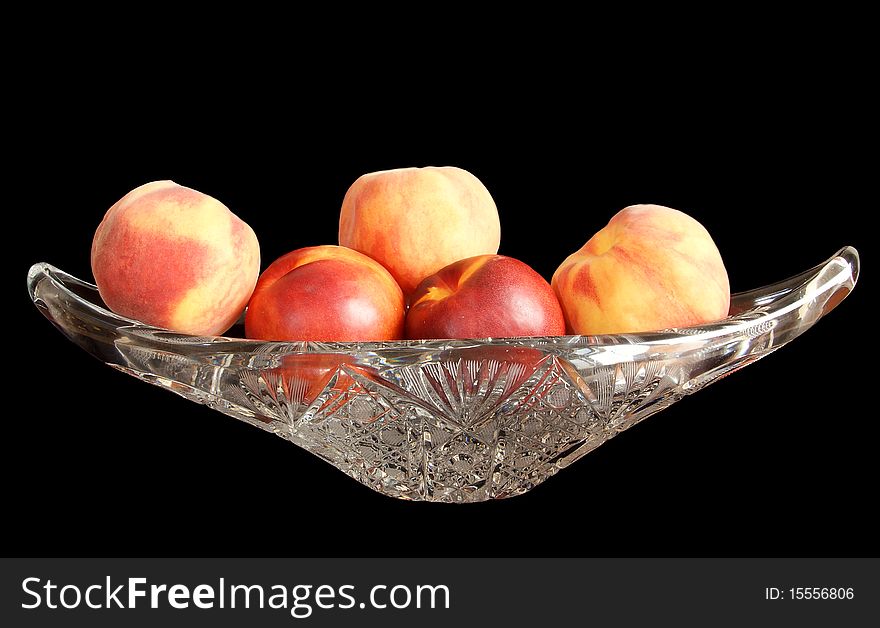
x=484 y=296
x=173 y=257
x=650 y=268
x=328 y=293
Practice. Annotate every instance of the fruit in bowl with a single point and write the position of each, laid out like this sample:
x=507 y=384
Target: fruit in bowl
x=174 y=257
x=440 y=420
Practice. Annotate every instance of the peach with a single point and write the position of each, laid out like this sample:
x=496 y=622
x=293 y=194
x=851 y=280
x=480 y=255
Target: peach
x=173 y=257
x=415 y=221
x=650 y=268
x=328 y=293
x=484 y=296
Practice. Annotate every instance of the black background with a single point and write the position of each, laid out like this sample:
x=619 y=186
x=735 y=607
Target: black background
x=778 y=459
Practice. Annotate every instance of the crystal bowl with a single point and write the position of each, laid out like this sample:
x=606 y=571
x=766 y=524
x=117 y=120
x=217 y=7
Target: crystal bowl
x=447 y=420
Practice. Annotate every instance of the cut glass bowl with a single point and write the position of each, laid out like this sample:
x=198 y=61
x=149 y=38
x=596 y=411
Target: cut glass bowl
x=447 y=420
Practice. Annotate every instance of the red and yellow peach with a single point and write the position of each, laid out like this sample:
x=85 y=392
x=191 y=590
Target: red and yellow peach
x=170 y=256
x=650 y=268
x=415 y=221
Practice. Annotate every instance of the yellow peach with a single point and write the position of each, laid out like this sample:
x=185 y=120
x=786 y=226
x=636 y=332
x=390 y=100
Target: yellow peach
x=173 y=257
x=650 y=268
x=415 y=221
